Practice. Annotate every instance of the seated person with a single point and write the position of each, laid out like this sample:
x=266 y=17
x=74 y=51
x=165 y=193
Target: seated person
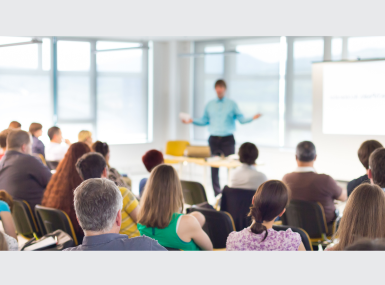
x=246 y=176
x=98 y=203
x=22 y=175
x=365 y=150
x=160 y=213
x=113 y=174
x=14 y=125
x=150 y=159
x=364 y=217
x=3 y=141
x=93 y=165
x=7 y=243
x=269 y=202
x=85 y=137
x=55 y=150
x=376 y=172
x=367 y=244
x=307 y=185
x=36 y=130
x=9 y=234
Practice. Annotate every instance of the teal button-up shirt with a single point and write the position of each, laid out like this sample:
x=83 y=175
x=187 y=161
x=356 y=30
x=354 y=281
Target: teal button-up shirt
x=220 y=116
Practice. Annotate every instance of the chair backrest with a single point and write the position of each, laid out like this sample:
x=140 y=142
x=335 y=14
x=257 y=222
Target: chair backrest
x=306 y=215
x=176 y=148
x=52 y=165
x=172 y=249
x=218 y=225
x=304 y=236
x=24 y=219
x=54 y=219
x=193 y=192
x=237 y=202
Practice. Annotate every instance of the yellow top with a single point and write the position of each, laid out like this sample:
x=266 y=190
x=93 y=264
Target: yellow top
x=130 y=202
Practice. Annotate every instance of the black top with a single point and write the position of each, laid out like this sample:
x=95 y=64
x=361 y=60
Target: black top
x=24 y=177
x=356 y=182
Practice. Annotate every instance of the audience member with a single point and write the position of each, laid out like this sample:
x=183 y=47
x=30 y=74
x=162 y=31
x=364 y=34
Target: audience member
x=85 y=137
x=367 y=245
x=55 y=150
x=150 y=159
x=7 y=242
x=60 y=190
x=7 y=220
x=376 y=172
x=14 y=125
x=93 y=165
x=246 y=176
x=98 y=203
x=307 y=185
x=364 y=217
x=3 y=141
x=113 y=174
x=22 y=175
x=36 y=130
x=365 y=150
x=269 y=202
x=160 y=214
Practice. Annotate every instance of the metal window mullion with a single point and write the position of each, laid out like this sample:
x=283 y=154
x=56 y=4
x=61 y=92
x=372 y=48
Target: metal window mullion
x=93 y=87
x=289 y=87
x=54 y=79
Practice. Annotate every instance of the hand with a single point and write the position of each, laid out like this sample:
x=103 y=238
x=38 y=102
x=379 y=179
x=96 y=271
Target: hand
x=187 y=121
x=67 y=141
x=256 y=116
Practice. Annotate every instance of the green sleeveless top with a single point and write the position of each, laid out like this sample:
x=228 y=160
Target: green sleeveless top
x=168 y=237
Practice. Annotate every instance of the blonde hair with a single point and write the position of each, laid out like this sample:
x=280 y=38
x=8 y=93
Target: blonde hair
x=84 y=135
x=364 y=216
x=3 y=242
x=162 y=197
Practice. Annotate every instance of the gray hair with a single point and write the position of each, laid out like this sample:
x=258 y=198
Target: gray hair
x=97 y=202
x=306 y=151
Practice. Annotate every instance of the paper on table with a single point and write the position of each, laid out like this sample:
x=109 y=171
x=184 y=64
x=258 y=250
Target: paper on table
x=184 y=116
x=41 y=244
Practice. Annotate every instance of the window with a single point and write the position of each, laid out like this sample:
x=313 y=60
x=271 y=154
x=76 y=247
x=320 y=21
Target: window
x=366 y=47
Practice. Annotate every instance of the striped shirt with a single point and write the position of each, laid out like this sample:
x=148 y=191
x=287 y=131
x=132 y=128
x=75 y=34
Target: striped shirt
x=128 y=226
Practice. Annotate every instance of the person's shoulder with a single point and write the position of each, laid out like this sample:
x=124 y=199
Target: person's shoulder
x=143 y=243
x=4 y=207
x=325 y=178
x=289 y=235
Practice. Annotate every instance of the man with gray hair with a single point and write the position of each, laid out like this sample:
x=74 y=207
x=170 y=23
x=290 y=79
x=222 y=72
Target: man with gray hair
x=98 y=204
x=306 y=184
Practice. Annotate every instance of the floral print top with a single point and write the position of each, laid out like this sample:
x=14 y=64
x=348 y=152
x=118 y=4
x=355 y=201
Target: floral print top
x=246 y=240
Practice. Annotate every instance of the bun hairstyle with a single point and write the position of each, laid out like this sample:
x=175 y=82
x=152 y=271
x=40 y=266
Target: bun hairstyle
x=269 y=201
x=101 y=148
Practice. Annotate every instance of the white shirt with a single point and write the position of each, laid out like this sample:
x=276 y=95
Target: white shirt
x=247 y=177
x=12 y=243
x=55 y=151
x=305 y=169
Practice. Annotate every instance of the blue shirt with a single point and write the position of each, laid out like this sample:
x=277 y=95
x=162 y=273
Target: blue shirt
x=4 y=207
x=37 y=146
x=220 y=116
x=142 y=184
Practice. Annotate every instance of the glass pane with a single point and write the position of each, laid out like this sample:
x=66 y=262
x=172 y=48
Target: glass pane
x=258 y=59
x=122 y=110
x=296 y=136
x=336 y=48
x=74 y=100
x=302 y=100
x=214 y=63
x=73 y=56
x=26 y=99
x=366 y=47
x=306 y=52
x=46 y=54
x=21 y=57
x=71 y=131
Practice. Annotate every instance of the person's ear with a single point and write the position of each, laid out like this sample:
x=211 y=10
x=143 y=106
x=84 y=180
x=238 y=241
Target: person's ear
x=104 y=173
x=283 y=212
x=24 y=148
x=370 y=174
x=315 y=157
x=119 y=218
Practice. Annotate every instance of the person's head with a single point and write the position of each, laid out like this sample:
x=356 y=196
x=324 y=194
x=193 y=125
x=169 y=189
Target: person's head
x=152 y=158
x=4 y=196
x=86 y=137
x=98 y=204
x=20 y=141
x=91 y=165
x=36 y=129
x=305 y=153
x=3 y=138
x=3 y=242
x=268 y=203
x=376 y=171
x=220 y=88
x=366 y=149
x=364 y=216
x=248 y=153
x=366 y=244
x=14 y=125
x=103 y=149
x=55 y=134
x=162 y=197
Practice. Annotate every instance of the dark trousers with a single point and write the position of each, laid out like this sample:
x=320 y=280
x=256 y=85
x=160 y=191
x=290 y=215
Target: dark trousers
x=220 y=146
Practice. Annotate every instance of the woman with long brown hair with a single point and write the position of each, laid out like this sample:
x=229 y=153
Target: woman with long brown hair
x=160 y=215
x=364 y=216
x=60 y=190
x=269 y=202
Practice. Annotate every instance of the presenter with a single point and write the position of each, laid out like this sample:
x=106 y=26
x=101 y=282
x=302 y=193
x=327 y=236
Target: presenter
x=220 y=115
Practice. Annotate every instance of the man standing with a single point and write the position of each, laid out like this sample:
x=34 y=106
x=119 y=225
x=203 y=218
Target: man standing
x=220 y=115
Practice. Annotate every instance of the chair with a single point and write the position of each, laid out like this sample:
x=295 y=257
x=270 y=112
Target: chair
x=218 y=226
x=24 y=219
x=193 y=192
x=309 y=216
x=237 y=203
x=175 y=148
x=172 y=249
x=41 y=157
x=53 y=219
x=304 y=236
x=52 y=165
